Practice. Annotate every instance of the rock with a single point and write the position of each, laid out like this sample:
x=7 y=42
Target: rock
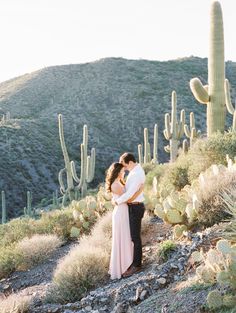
x=143 y=295
x=138 y=293
x=161 y=280
x=88 y=308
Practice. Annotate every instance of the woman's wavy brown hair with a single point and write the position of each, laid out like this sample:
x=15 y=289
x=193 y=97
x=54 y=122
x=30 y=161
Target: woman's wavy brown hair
x=112 y=174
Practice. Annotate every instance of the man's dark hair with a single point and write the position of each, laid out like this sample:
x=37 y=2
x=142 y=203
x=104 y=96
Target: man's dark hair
x=127 y=156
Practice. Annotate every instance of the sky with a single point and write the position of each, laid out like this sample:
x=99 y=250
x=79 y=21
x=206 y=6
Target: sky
x=35 y=34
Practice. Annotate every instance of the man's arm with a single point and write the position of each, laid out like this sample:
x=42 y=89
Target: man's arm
x=134 y=185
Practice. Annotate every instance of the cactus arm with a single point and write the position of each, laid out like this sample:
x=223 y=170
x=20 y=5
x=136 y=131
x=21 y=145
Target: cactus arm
x=167 y=131
x=234 y=121
x=62 y=186
x=155 y=144
x=4 y=211
x=181 y=124
x=70 y=184
x=187 y=131
x=140 y=153
x=199 y=91
x=91 y=166
x=173 y=125
x=146 y=146
x=228 y=102
x=167 y=149
x=80 y=180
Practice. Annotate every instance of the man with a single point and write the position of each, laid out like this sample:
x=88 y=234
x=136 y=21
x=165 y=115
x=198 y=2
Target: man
x=135 y=179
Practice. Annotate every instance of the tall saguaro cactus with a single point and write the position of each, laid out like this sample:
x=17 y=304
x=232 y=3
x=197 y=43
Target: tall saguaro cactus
x=87 y=165
x=174 y=130
x=147 y=158
x=213 y=94
x=4 y=210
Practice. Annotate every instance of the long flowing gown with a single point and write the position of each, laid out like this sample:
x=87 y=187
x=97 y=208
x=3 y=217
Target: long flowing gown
x=122 y=245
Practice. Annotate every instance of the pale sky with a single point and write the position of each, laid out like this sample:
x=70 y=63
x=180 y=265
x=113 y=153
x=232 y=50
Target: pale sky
x=40 y=33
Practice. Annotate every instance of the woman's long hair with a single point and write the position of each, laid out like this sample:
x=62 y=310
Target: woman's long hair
x=112 y=174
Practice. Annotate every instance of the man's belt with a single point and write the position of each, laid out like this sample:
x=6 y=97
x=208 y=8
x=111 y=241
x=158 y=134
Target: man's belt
x=135 y=203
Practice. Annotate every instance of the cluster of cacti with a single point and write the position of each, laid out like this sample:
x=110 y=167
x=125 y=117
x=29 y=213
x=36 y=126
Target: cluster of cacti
x=214 y=93
x=4 y=209
x=181 y=207
x=218 y=265
x=86 y=211
x=104 y=200
x=87 y=167
x=174 y=130
x=146 y=157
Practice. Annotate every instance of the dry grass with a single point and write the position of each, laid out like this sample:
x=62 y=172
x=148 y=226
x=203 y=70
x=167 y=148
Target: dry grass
x=36 y=249
x=83 y=268
x=15 y=303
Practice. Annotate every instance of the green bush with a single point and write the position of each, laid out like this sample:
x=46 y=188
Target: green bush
x=165 y=249
x=16 y=230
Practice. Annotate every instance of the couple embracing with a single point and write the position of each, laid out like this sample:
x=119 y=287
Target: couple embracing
x=126 y=253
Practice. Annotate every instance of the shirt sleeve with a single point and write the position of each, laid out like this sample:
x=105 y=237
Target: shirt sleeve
x=134 y=185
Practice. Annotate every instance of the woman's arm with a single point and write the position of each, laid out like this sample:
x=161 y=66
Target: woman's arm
x=136 y=194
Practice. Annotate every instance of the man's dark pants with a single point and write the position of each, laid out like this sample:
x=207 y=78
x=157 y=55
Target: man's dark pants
x=136 y=212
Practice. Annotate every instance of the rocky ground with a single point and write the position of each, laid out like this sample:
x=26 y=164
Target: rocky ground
x=161 y=287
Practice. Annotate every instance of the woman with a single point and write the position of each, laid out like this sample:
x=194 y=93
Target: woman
x=122 y=246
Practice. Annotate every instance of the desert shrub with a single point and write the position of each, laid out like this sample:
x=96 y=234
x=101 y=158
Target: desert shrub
x=83 y=268
x=16 y=230
x=176 y=175
x=208 y=151
x=15 y=303
x=36 y=249
x=57 y=222
x=8 y=260
x=211 y=209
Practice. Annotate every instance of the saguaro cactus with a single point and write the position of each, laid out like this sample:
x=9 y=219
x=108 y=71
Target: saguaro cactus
x=87 y=165
x=69 y=190
x=213 y=94
x=147 y=158
x=4 y=210
x=174 y=130
x=28 y=208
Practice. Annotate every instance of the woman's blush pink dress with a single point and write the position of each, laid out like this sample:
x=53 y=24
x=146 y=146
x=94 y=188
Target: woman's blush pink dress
x=122 y=245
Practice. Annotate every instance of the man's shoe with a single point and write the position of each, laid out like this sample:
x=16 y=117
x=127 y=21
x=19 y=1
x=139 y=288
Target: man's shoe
x=132 y=270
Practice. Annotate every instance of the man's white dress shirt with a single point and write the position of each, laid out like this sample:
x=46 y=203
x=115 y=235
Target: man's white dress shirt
x=134 y=180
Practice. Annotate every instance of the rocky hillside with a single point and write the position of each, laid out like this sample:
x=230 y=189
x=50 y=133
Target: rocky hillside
x=115 y=97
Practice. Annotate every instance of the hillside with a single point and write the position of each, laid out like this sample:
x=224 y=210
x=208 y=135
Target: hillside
x=115 y=97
